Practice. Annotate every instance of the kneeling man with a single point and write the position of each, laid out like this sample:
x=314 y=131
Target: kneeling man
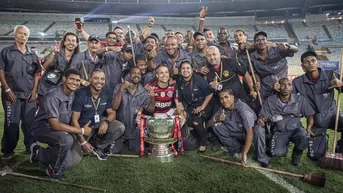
x=285 y=110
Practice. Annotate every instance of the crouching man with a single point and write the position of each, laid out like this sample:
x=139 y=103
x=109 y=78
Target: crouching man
x=93 y=103
x=51 y=126
x=233 y=124
x=285 y=110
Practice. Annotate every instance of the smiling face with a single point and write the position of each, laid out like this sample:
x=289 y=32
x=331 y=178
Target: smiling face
x=209 y=35
x=98 y=80
x=261 y=42
x=72 y=82
x=70 y=42
x=93 y=46
x=141 y=64
x=226 y=99
x=150 y=44
x=135 y=75
x=186 y=70
x=171 y=46
x=162 y=74
x=213 y=56
x=200 y=42
x=111 y=39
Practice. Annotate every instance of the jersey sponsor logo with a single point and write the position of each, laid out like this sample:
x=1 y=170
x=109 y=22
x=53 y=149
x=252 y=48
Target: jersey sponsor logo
x=170 y=94
x=163 y=94
x=87 y=106
x=163 y=104
x=326 y=95
x=103 y=103
x=52 y=75
x=226 y=73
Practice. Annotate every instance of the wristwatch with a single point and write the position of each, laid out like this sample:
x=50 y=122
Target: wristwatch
x=107 y=121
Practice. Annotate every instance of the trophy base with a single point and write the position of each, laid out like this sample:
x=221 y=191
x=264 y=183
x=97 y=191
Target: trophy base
x=162 y=158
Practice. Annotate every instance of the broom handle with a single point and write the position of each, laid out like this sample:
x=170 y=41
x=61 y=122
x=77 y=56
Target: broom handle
x=58 y=182
x=123 y=155
x=253 y=76
x=255 y=167
x=338 y=104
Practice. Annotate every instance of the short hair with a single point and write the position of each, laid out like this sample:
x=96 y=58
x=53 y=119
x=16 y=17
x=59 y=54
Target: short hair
x=178 y=33
x=307 y=54
x=228 y=90
x=283 y=80
x=186 y=61
x=162 y=65
x=71 y=71
x=240 y=30
x=170 y=37
x=141 y=57
x=22 y=27
x=214 y=47
x=134 y=67
x=111 y=32
x=97 y=70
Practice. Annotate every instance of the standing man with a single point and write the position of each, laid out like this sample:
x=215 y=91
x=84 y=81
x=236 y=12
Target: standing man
x=93 y=103
x=57 y=62
x=284 y=110
x=233 y=124
x=19 y=75
x=51 y=126
x=270 y=63
x=316 y=85
x=224 y=45
x=199 y=59
x=87 y=60
x=129 y=98
x=146 y=77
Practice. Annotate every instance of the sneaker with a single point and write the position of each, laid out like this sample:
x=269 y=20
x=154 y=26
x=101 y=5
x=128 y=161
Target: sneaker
x=50 y=171
x=34 y=153
x=296 y=158
x=100 y=154
x=109 y=149
x=265 y=165
x=7 y=156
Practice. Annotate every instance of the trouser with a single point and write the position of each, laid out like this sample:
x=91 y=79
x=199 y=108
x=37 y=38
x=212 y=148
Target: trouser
x=260 y=144
x=231 y=140
x=280 y=140
x=63 y=152
x=114 y=131
x=132 y=140
x=319 y=145
x=197 y=122
x=21 y=110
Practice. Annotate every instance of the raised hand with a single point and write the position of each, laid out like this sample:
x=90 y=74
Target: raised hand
x=203 y=12
x=56 y=47
x=175 y=69
x=151 y=21
x=214 y=84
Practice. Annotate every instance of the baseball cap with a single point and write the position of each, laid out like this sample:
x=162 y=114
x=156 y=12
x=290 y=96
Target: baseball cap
x=93 y=37
x=198 y=33
x=127 y=47
x=151 y=36
x=260 y=33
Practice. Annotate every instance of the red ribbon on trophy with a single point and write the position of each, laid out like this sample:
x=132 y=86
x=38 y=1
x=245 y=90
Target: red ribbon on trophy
x=141 y=135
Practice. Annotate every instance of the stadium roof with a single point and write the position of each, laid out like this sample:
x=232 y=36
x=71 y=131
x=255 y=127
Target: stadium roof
x=184 y=8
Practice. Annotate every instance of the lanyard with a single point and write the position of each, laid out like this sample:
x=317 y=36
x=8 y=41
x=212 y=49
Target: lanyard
x=221 y=72
x=97 y=105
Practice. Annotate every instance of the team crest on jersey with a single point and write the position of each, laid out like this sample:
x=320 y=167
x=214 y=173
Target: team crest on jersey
x=163 y=94
x=170 y=94
x=226 y=73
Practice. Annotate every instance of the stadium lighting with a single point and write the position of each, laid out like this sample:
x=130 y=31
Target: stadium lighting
x=339 y=13
x=327 y=14
x=114 y=21
x=42 y=33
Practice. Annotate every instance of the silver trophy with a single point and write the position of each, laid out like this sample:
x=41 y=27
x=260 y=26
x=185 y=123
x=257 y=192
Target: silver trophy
x=160 y=137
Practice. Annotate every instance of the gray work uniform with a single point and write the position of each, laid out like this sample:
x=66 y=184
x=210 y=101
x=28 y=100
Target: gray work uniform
x=271 y=70
x=85 y=64
x=285 y=118
x=63 y=151
x=321 y=99
x=163 y=58
x=231 y=132
x=19 y=72
x=226 y=50
x=147 y=78
x=52 y=77
x=198 y=59
x=127 y=112
x=112 y=66
x=88 y=108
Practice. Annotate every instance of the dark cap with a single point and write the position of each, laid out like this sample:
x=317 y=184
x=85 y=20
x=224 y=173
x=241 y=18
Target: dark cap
x=127 y=47
x=155 y=35
x=151 y=36
x=93 y=37
x=117 y=27
x=197 y=34
x=260 y=33
x=307 y=54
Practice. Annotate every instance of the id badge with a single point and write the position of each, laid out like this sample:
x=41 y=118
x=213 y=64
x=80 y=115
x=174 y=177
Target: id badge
x=96 y=119
x=220 y=87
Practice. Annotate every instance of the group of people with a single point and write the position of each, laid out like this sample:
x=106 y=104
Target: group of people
x=93 y=100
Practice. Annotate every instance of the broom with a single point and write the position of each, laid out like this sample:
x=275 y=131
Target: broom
x=332 y=160
x=311 y=178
